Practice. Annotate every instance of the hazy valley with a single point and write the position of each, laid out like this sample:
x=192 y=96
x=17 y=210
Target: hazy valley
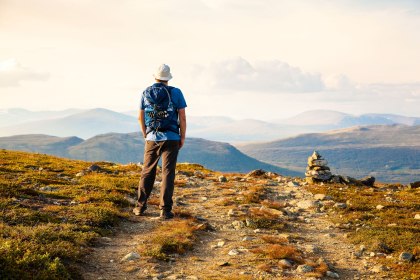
x=89 y=123
x=382 y=145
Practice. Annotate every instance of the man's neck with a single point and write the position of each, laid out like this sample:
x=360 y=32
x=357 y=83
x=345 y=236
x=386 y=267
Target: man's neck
x=163 y=82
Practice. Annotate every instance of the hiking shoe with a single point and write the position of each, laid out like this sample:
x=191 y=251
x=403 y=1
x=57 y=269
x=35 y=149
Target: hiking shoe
x=139 y=211
x=166 y=215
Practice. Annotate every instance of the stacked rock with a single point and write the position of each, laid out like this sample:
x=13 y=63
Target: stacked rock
x=317 y=170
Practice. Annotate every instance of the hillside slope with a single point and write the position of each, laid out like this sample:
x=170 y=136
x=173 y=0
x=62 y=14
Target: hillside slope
x=390 y=153
x=62 y=220
x=128 y=147
x=40 y=143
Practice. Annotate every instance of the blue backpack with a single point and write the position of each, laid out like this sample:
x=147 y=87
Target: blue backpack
x=160 y=113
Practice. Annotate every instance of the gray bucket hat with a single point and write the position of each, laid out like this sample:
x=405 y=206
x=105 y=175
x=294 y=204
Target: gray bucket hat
x=163 y=73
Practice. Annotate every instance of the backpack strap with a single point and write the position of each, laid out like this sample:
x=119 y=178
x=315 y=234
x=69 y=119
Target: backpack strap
x=169 y=93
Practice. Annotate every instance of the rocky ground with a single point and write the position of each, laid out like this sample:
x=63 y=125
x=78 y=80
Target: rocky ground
x=232 y=245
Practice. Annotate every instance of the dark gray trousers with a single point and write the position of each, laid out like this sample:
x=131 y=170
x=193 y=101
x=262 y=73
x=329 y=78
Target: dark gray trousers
x=153 y=151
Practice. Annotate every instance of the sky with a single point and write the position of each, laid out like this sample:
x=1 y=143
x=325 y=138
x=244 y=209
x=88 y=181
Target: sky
x=258 y=59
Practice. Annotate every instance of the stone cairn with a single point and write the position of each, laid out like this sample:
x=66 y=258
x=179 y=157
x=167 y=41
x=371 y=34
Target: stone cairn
x=317 y=170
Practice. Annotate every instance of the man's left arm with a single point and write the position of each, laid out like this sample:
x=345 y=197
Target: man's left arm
x=182 y=126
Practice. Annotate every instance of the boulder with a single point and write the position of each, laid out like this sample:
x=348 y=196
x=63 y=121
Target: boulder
x=316 y=155
x=233 y=252
x=381 y=247
x=332 y=275
x=322 y=177
x=304 y=268
x=414 y=185
x=272 y=211
x=368 y=181
x=317 y=162
x=379 y=268
x=350 y=180
x=238 y=225
x=256 y=173
x=222 y=179
x=406 y=257
x=306 y=204
x=285 y=263
x=340 y=205
x=94 y=168
x=316 y=168
x=293 y=184
x=335 y=179
x=131 y=256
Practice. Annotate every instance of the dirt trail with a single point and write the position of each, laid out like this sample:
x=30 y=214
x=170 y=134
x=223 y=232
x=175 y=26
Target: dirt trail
x=104 y=261
x=210 y=258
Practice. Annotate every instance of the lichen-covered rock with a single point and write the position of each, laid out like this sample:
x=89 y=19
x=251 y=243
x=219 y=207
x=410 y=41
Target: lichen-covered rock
x=340 y=205
x=332 y=275
x=406 y=257
x=304 y=268
x=94 y=168
x=222 y=179
x=285 y=263
x=131 y=256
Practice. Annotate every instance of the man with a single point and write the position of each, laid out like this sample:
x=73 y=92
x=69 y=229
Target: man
x=163 y=124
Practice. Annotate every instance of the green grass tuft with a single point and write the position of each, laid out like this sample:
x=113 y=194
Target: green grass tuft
x=50 y=217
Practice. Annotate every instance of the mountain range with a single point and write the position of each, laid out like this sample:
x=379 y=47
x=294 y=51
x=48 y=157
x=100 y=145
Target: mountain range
x=391 y=153
x=84 y=124
x=128 y=147
x=383 y=145
x=88 y=123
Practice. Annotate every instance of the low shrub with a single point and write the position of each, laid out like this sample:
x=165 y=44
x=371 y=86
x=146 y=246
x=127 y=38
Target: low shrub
x=276 y=251
x=173 y=237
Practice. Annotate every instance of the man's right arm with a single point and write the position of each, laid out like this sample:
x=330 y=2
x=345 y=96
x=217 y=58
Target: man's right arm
x=142 y=123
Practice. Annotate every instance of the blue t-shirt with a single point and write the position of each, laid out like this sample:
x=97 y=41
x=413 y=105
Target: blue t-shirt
x=179 y=103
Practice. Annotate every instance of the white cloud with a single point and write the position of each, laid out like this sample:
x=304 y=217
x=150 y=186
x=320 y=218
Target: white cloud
x=407 y=91
x=407 y=5
x=12 y=73
x=266 y=76
x=339 y=82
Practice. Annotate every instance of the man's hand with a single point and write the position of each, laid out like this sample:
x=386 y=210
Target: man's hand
x=181 y=142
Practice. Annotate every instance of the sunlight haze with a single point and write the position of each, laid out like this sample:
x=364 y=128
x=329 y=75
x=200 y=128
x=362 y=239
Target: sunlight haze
x=242 y=59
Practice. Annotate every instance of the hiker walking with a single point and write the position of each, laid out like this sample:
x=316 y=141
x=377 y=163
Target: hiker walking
x=163 y=124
